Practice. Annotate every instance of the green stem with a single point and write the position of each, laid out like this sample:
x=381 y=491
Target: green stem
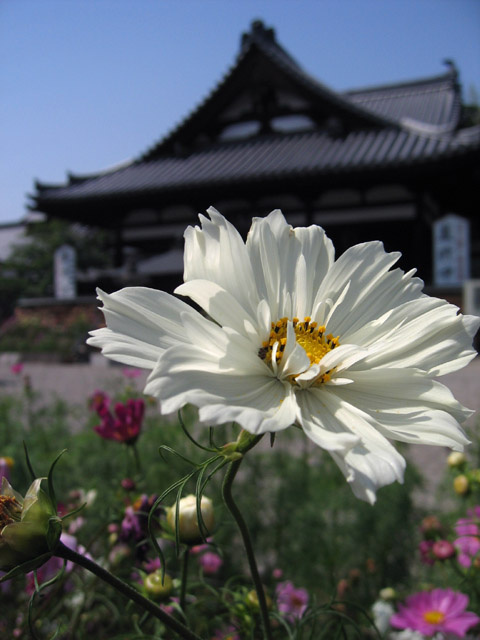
x=232 y=470
x=183 y=587
x=61 y=551
x=136 y=457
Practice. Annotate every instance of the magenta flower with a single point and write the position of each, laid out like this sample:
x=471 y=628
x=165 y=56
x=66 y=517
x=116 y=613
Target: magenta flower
x=426 y=551
x=468 y=542
x=443 y=549
x=291 y=601
x=440 y=610
x=132 y=373
x=210 y=563
x=125 y=424
x=17 y=368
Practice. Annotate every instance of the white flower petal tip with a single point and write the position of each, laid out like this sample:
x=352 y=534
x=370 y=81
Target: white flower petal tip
x=348 y=349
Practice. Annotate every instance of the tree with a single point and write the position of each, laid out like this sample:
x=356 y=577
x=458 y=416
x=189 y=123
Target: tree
x=28 y=271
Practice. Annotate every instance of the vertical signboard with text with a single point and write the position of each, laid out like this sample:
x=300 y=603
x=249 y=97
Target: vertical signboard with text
x=451 y=251
x=65 y=273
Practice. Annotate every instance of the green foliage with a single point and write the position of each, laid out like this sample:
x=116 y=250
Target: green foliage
x=28 y=271
x=302 y=517
x=33 y=335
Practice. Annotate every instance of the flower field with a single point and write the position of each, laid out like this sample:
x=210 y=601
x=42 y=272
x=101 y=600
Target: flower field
x=254 y=491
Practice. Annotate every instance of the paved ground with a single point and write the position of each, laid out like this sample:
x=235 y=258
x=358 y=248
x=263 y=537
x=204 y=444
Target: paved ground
x=76 y=382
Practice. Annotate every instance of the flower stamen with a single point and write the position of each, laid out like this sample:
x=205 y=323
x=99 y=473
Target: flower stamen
x=308 y=335
x=434 y=617
x=10 y=510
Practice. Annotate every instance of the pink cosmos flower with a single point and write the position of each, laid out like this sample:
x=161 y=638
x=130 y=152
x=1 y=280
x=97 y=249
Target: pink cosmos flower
x=468 y=542
x=440 y=610
x=125 y=424
x=131 y=373
x=426 y=551
x=210 y=563
x=228 y=633
x=291 y=601
x=16 y=368
x=443 y=549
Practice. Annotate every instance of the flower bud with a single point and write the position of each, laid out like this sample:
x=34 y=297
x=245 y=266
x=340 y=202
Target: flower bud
x=188 y=527
x=461 y=485
x=155 y=588
x=388 y=593
x=25 y=525
x=430 y=526
x=456 y=459
x=252 y=600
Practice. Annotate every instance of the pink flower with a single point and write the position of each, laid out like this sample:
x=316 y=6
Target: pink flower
x=468 y=542
x=443 y=549
x=125 y=425
x=468 y=548
x=440 y=610
x=426 y=551
x=17 y=368
x=277 y=574
x=228 y=633
x=291 y=601
x=210 y=563
x=131 y=373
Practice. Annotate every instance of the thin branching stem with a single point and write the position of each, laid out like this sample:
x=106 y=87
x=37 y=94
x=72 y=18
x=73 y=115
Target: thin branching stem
x=62 y=551
x=183 y=586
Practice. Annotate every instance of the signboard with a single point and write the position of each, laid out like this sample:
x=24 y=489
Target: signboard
x=65 y=273
x=451 y=251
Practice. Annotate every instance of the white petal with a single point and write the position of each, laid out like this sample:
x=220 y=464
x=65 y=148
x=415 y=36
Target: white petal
x=430 y=335
x=258 y=402
x=216 y=252
x=221 y=306
x=364 y=266
x=142 y=323
x=320 y=425
x=294 y=359
x=371 y=464
x=408 y=406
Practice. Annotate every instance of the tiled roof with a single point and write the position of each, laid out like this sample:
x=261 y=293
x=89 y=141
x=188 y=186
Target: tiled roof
x=396 y=125
x=274 y=157
x=433 y=101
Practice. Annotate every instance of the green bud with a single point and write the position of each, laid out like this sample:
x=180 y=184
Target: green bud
x=155 y=588
x=29 y=526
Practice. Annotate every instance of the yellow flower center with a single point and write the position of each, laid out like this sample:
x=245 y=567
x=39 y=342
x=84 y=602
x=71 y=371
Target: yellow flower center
x=308 y=334
x=434 y=617
x=10 y=510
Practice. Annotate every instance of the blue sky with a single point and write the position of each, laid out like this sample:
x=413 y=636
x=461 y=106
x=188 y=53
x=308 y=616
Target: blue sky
x=86 y=84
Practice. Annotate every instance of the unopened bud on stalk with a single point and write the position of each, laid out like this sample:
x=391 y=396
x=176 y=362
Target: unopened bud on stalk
x=188 y=526
x=155 y=588
x=456 y=459
x=29 y=526
x=461 y=485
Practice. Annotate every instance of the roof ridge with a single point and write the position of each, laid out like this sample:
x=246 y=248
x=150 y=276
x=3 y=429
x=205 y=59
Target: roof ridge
x=451 y=77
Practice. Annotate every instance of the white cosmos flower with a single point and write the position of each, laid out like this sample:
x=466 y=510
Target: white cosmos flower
x=346 y=349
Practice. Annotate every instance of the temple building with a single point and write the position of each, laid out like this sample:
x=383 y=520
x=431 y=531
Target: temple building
x=398 y=163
